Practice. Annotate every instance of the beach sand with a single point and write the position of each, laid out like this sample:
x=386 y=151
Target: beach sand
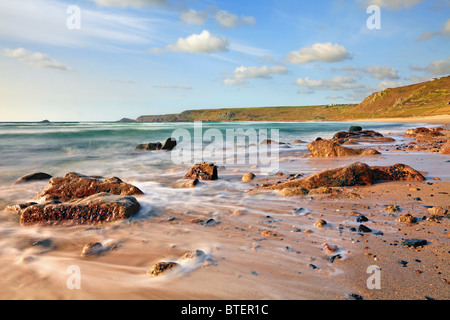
x=258 y=245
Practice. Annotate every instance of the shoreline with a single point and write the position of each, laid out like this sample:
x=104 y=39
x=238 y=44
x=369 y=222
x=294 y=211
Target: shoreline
x=246 y=260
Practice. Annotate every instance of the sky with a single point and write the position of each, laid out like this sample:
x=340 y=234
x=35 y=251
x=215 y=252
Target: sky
x=103 y=60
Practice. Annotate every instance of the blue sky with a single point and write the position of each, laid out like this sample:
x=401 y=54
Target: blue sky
x=138 y=57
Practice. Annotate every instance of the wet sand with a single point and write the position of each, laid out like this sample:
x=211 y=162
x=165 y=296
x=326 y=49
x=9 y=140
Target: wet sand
x=259 y=245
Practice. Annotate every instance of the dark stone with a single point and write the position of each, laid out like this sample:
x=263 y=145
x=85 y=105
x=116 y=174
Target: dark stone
x=363 y=228
x=170 y=144
x=353 y=296
x=361 y=218
x=354 y=129
x=33 y=177
x=414 y=243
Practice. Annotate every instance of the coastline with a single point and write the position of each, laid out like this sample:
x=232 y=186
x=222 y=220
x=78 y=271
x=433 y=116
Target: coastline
x=247 y=262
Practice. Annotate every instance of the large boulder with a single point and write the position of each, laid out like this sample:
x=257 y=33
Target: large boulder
x=329 y=149
x=202 y=171
x=354 y=137
x=97 y=208
x=356 y=174
x=76 y=186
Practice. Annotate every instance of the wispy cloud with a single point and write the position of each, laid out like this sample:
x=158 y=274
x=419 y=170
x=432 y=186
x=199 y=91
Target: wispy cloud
x=445 y=31
x=393 y=4
x=253 y=72
x=230 y=20
x=190 y=16
x=35 y=59
x=28 y=21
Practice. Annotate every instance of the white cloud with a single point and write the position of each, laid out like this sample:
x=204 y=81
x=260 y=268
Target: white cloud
x=253 y=72
x=205 y=42
x=326 y=52
x=35 y=59
x=258 y=72
x=334 y=84
x=381 y=72
x=445 y=31
x=393 y=4
x=230 y=20
x=131 y=3
x=191 y=16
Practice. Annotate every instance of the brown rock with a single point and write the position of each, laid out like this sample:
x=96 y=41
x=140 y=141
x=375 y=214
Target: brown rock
x=407 y=218
x=188 y=184
x=392 y=208
x=162 y=267
x=248 y=177
x=203 y=171
x=196 y=254
x=356 y=174
x=445 y=149
x=329 y=149
x=97 y=208
x=76 y=186
x=320 y=223
x=396 y=172
x=290 y=192
x=423 y=133
x=92 y=249
x=437 y=210
x=321 y=190
x=330 y=248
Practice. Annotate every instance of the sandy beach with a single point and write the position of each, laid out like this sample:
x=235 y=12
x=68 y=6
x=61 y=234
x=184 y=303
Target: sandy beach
x=256 y=245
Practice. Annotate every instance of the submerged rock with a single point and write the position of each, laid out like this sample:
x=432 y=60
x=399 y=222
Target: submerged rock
x=329 y=149
x=33 y=177
x=203 y=171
